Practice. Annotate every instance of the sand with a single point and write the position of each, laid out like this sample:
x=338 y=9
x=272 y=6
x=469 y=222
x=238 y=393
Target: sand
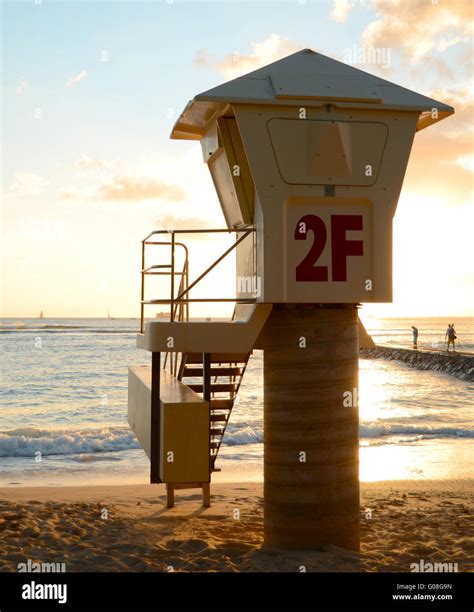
x=128 y=528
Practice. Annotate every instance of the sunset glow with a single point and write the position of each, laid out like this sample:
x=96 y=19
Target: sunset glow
x=89 y=168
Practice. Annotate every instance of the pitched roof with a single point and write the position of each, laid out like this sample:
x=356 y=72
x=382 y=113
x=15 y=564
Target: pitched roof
x=309 y=77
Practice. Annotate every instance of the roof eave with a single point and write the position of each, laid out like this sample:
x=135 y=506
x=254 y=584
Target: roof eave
x=426 y=118
x=186 y=128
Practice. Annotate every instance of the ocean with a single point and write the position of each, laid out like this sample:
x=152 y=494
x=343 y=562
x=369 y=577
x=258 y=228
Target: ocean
x=63 y=411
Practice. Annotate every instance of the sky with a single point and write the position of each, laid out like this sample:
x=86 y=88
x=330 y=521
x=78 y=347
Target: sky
x=91 y=90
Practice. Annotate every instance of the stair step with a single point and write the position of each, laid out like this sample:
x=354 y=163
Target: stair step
x=216 y=432
x=224 y=371
x=218 y=417
x=222 y=364
x=221 y=404
x=218 y=357
x=215 y=387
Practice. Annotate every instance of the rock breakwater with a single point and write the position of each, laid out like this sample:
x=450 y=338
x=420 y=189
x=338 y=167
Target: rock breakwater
x=459 y=365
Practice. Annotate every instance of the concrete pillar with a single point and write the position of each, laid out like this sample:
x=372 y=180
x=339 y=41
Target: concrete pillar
x=311 y=437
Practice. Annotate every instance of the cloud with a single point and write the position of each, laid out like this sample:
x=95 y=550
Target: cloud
x=170 y=222
x=236 y=64
x=21 y=87
x=67 y=194
x=85 y=163
x=442 y=160
x=419 y=28
x=125 y=189
x=203 y=59
x=122 y=188
x=341 y=9
x=438 y=164
x=77 y=78
x=27 y=184
x=150 y=176
x=461 y=97
x=467 y=161
x=431 y=44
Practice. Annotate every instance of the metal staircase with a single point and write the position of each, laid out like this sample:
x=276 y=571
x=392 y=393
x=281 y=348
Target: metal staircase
x=226 y=369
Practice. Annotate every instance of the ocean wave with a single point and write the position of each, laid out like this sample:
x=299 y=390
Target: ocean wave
x=245 y=434
x=379 y=430
x=235 y=436
x=35 y=327
x=57 y=329
x=27 y=441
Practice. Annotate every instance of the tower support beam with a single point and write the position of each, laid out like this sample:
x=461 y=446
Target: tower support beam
x=311 y=425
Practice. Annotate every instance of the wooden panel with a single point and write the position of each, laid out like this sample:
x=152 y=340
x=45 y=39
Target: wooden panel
x=243 y=184
x=327 y=152
x=223 y=182
x=185 y=442
x=184 y=425
x=139 y=404
x=360 y=87
x=172 y=390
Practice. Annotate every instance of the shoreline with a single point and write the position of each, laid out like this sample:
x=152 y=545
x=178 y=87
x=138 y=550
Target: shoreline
x=129 y=528
x=440 y=458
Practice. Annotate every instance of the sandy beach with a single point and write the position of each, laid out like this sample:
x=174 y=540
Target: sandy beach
x=129 y=528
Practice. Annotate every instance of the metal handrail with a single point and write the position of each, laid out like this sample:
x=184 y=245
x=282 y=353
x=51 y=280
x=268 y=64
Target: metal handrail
x=147 y=272
x=182 y=312
x=211 y=267
x=183 y=289
x=234 y=230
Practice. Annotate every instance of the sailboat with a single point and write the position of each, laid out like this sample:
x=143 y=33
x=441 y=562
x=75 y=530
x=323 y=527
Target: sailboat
x=41 y=315
x=108 y=315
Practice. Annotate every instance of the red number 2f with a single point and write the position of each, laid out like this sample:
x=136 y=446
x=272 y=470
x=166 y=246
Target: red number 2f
x=341 y=248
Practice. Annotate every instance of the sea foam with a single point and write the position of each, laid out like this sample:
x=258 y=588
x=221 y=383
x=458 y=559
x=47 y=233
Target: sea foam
x=27 y=441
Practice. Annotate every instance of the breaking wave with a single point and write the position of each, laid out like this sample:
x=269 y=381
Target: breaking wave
x=26 y=441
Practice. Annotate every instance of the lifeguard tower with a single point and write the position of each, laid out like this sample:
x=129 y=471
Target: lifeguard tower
x=307 y=156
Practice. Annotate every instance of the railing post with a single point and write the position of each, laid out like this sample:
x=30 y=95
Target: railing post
x=186 y=287
x=172 y=274
x=155 y=433
x=142 y=305
x=206 y=376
